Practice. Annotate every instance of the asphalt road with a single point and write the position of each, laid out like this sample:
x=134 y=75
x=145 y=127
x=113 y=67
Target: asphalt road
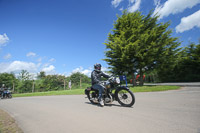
x=176 y=111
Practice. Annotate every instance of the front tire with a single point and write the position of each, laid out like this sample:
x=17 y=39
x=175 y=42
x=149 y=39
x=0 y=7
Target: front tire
x=125 y=97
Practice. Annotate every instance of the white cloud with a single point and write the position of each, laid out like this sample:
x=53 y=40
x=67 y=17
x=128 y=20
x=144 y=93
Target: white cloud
x=17 y=66
x=121 y=9
x=3 y=39
x=189 y=22
x=116 y=3
x=134 y=5
x=173 y=6
x=86 y=71
x=52 y=60
x=46 y=64
x=31 y=54
x=8 y=56
x=83 y=71
x=49 y=69
x=104 y=69
x=157 y=2
x=77 y=69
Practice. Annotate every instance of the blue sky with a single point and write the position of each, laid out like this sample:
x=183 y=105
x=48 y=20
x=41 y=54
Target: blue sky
x=65 y=36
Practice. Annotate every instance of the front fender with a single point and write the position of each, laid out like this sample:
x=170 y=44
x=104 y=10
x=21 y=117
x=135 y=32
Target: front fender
x=122 y=87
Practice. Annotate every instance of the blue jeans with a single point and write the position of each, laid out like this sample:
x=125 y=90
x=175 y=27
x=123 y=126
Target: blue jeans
x=100 y=88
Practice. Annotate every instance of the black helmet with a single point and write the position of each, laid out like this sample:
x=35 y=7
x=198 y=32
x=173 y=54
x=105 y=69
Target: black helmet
x=97 y=66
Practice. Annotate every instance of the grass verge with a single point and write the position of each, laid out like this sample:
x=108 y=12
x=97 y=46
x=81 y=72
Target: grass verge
x=81 y=91
x=51 y=93
x=8 y=124
x=151 y=88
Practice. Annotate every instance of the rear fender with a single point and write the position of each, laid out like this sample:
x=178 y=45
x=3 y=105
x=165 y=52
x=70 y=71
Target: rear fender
x=87 y=90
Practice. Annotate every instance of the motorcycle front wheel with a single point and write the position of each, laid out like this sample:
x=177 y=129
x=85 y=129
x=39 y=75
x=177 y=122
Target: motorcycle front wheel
x=125 y=97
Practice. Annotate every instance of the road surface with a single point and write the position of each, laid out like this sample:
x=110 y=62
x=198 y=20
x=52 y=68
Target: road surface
x=176 y=111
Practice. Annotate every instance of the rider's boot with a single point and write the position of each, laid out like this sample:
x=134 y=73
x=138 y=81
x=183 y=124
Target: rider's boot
x=101 y=102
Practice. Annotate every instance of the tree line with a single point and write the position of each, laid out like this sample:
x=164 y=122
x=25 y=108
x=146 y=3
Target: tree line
x=24 y=83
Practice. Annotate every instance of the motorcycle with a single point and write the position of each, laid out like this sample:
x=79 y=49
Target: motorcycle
x=1 y=93
x=113 y=91
x=6 y=94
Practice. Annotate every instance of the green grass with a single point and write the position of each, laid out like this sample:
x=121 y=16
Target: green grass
x=152 y=88
x=8 y=124
x=81 y=91
x=51 y=93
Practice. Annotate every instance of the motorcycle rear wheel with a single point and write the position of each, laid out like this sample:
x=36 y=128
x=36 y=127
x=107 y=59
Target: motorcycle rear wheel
x=91 y=97
x=125 y=97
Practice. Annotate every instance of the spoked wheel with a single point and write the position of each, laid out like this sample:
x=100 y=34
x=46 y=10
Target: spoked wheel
x=125 y=97
x=92 y=96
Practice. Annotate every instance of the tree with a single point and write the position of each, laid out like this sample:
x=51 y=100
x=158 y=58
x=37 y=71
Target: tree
x=139 y=43
x=78 y=78
x=8 y=79
x=41 y=75
x=25 y=86
x=53 y=82
x=24 y=75
x=188 y=67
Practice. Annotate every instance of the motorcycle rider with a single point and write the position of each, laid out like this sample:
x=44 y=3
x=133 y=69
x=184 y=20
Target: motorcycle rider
x=5 y=92
x=96 y=81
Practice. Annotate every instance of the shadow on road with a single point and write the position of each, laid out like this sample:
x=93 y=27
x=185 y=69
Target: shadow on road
x=107 y=105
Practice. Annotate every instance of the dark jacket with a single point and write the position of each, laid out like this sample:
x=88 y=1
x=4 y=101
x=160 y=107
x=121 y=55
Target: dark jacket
x=96 y=76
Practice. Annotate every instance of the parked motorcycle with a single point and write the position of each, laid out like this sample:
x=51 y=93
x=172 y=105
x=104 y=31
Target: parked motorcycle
x=113 y=91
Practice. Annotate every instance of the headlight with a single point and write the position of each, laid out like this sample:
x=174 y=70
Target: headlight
x=117 y=80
